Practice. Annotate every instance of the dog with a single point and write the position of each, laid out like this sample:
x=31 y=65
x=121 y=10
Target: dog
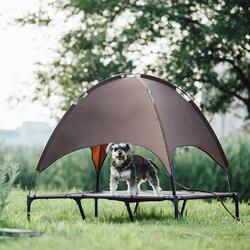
x=132 y=168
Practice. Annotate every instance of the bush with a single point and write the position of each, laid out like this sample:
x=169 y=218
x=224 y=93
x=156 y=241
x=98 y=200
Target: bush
x=8 y=175
x=196 y=170
x=193 y=168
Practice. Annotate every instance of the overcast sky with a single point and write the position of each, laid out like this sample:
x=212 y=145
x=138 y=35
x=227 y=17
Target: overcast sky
x=20 y=48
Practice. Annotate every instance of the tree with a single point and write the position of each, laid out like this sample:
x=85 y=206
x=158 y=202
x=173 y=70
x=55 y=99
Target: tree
x=198 y=45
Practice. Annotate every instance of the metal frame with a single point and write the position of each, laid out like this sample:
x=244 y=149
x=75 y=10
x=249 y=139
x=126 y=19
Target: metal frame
x=145 y=197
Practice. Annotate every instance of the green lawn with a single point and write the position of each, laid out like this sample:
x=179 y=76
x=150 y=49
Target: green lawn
x=206 y=226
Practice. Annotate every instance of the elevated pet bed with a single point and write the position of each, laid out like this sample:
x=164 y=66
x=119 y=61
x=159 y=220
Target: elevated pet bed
x=143 y=110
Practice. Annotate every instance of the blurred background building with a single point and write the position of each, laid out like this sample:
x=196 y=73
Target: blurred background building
x=28 y=134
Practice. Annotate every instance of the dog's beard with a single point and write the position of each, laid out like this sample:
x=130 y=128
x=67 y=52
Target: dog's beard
x=119 y=160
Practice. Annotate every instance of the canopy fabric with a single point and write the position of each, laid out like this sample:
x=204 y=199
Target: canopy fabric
x=139 y=109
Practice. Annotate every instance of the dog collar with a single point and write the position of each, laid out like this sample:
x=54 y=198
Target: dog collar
x=126 y=164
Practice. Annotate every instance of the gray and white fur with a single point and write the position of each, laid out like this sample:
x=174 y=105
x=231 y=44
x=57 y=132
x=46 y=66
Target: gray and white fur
x=134 y=169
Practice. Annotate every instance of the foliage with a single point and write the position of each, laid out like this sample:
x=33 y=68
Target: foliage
x=193 y=169
x=206 y=226
x=199 y=45
x=8 y=174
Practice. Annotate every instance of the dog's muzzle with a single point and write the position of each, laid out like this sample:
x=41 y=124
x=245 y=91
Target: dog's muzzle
x=120 y=155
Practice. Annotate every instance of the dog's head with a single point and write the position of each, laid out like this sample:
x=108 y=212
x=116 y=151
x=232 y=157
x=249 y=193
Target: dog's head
x=119 y=151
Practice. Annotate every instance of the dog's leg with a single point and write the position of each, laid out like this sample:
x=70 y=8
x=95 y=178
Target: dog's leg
x=113 y=184
x=154 y=183
x=132 y=188
x=129 y=188
x=138 y=187
x=153 y=179
x=138 y=190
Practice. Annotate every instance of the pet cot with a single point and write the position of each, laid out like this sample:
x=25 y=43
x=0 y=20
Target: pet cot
x=142 y=110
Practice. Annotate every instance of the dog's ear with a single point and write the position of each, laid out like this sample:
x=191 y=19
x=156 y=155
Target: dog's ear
x=109 y=148
x=128 y=147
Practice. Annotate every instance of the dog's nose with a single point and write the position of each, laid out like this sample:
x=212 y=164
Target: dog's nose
x=119 y=153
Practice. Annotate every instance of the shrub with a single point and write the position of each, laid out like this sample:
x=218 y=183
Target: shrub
x=8 y=174
x=196 y=170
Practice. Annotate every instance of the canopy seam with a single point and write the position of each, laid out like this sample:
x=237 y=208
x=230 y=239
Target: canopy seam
x=159 y=121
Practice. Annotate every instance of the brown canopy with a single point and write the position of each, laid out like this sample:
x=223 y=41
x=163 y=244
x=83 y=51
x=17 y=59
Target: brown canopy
x=140 y=109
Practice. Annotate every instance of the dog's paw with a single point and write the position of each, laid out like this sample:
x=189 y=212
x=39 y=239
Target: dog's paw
x=132 y=194
x=158 y=191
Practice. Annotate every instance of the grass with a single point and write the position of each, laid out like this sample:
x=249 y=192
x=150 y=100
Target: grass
x=206 y=226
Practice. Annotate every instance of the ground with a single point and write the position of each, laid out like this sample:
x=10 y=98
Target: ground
x=205 y=226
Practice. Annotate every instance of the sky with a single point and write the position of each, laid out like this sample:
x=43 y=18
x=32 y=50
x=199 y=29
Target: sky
x=20 y=48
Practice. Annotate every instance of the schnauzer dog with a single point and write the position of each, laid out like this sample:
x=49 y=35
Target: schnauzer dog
x=132 y=168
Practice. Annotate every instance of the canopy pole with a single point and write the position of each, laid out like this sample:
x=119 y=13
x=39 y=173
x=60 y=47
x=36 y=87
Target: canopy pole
x=37 y=182
x=31 y=182
x=230 y=178
x=176 y=200
x=97 y=182
x=173 y=184
x=227 y=180
x=172 y=179
x=97 y=189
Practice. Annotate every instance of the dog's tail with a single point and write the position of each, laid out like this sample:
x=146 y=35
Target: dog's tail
x=154 y=164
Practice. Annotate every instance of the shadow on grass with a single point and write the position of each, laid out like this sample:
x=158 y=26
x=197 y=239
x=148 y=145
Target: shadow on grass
x=151 y=216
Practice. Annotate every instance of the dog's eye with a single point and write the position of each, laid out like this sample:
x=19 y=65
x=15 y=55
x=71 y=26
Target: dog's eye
x=115 y=149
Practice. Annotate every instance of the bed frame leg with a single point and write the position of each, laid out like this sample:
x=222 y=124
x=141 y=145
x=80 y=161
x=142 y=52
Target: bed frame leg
x=29 y=201
x=183 y=207
x=78 y=202
x=236 y=202
x=129 y=211
x=136 y=207
x=176 y=211
x=96 y=207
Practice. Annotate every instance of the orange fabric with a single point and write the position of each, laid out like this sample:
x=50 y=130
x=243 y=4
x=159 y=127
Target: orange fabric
x=98 y=156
